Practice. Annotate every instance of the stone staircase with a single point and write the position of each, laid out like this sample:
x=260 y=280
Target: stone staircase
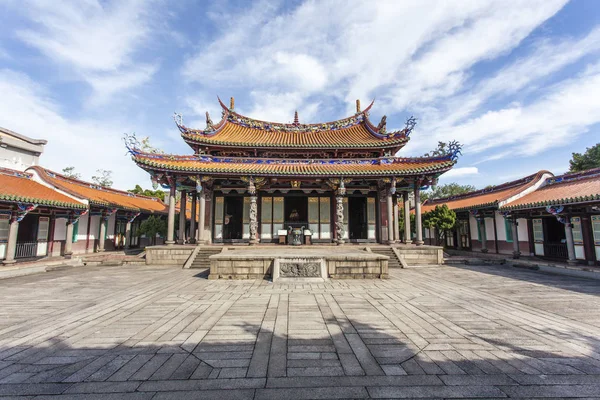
x=387 y=251
x=201 y=260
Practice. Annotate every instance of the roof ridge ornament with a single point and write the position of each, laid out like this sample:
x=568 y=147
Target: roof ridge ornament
x=382 y=127
x=178 y=119
x=411 y=122
x=209 y=124
x=132 y=144
x=231 y=103
x=296 y=121
x=358 y=106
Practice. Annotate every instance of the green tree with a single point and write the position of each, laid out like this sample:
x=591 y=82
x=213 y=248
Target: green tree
x=151 y=227
x=103 y=178
x=588 y=160
x=447 y=190
x=69 y=172
x=147 y=192
x=441 y=219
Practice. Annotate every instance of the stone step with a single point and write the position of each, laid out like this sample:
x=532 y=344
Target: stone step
x=202 y=257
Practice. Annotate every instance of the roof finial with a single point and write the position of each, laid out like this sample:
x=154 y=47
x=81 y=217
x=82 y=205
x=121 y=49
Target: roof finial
x=232 y=103
x=296 y=122
x=357 y=106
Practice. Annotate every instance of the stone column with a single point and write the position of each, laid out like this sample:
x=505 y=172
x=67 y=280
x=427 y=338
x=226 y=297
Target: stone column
x=253 y=218
x=339 y=218
x=192 y=239
x=396 y=220
x=482 y=234
x=407 y=238
x=103 y=223
x=202 y=215
x=182 y=217
x=515 y=234
x=11 y=245
x=128 y=234
x=570 y=243
x=390 y=216
x=171 y=219
x=69 y=239
x=418 y=223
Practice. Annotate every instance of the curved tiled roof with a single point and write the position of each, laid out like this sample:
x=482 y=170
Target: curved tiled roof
x=241 y=131
x=582 y=187
x=293 y=167
x=105 y=197
x=486 y=197
x=18 y=187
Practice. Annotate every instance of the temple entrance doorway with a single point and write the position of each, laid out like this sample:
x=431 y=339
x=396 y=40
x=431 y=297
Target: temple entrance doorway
x=357 y=218
x=555 y=243
x=295 y=210
x=232 y=218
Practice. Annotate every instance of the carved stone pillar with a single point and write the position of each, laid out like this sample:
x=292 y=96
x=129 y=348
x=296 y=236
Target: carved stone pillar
x=570 y=244
x=182 y=217
x=192 y=238
x=407 y=238
x=253 y=220
x=171 y=218
x=11 y=245
x=253 y=212
x=339 y=218
x=515 y=234
x=418 y=223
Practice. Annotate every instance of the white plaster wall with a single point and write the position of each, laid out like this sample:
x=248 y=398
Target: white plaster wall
x=94 y=227
x=60 y=229
x=473 y=226
x=522 y=230
x=17 y=159
x=489 y=228
x=110 y=229
x=500 y=224
x=82 y=230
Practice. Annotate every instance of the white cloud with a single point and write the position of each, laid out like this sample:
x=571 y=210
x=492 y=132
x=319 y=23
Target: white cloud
x=461 y=172
x=96 y=40
x=565 y=111
x=404 y=53
x=105 y=85
x=86 y=144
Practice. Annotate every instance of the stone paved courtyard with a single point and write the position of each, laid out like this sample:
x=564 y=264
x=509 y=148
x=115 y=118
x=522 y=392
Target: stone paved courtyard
x=162 y=333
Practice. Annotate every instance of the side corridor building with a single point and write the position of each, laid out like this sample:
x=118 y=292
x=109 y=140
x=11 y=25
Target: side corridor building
x=43 y=213
x=555 y=217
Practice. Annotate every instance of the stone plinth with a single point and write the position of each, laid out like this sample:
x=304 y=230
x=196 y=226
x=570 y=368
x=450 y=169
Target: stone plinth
x=422 y=255
x=267 y=262
x=168 y=255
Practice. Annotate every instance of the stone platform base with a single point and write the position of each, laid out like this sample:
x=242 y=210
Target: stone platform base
x=421 y=255
x=168 y=255
x=302 y=262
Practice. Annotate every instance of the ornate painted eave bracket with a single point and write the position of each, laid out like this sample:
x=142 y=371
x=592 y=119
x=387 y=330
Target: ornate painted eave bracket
x=23 y=210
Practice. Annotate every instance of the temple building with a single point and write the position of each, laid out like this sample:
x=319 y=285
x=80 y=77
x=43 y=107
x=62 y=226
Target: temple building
x=45 y=214
x=542 y=215
x=294 y=183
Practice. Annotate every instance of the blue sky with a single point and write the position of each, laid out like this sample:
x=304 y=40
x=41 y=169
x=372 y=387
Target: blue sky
x=517 y=82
